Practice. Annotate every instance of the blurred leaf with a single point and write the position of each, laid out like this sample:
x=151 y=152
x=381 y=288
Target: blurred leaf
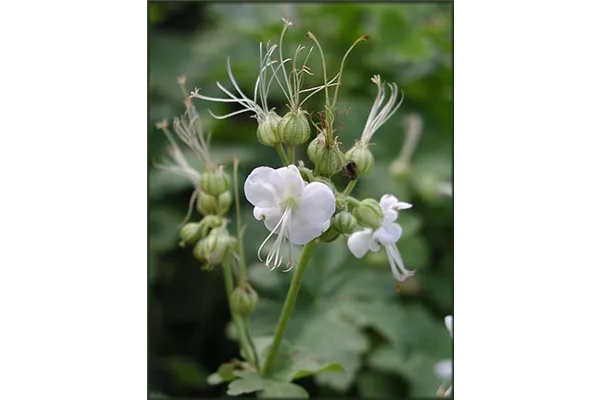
x=187 y=371
x=248 y=382
x=274 y=389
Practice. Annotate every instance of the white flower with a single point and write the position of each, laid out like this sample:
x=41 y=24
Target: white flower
x=379 y=115
x=386 y=235
x=443 y=369
x=295 y=211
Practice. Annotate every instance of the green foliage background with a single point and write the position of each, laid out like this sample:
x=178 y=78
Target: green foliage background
x=348 y=310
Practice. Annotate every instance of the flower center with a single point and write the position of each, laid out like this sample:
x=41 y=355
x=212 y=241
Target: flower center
x=290 y=203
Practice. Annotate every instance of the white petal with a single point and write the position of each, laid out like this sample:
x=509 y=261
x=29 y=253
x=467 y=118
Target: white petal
x=270 y=215
x=359 y=243
x=449 y=320
x=292 y=180
x=264 y=187
x=316 y=206
x=318 y=202
x=387 y=200
x=388 y=234
x=443 y=370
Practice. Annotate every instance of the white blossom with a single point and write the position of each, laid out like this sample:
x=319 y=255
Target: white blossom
x=359 y=243
x=293 y=210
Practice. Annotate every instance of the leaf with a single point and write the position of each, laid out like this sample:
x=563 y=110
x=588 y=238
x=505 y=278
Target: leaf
x=187 y=371
x=225 y=373
x=275 y=389
x=248 y=382
x=294 y=363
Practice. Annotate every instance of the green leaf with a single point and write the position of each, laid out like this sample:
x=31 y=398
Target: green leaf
x=275 y=389
x=294 y=362
x=187 y=371
x=248 y=382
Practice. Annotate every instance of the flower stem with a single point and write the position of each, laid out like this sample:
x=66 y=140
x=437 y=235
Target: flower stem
x=240 y=233
x=237 y=322
x=291 y=154
x=281 y=153
x=350 y=187
x=288 y=306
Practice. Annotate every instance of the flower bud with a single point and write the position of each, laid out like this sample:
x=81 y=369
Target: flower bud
x=244 y=300
x=224 y=202
x=368 y=213
x=214 y=182
x=216 y=246
x=344 y=222
x=294 y=128
x=328 y=159
x=206 y=204
x=209 y=222
x=362 y=157
x=400 y=170
x=329 y=235
x=190 y=233
x=267 y=131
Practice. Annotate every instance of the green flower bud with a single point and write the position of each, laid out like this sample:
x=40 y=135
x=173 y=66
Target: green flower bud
x=344 y=222
x=328 y=159
x=362 y=157
x=244 y=300
x=214 y=182
x=267 y=131
x=294 y=128
x=190 y=233
x=216 y=246
x=224 y=202
x=329 y=235
x=199 y=250
x=368 y=213
x=209 y=222
x=206 y=204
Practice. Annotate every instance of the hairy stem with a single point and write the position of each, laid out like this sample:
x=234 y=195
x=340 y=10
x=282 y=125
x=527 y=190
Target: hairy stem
x=288 y=306
x=281 y=153
x=238 y=217
x=237 y=321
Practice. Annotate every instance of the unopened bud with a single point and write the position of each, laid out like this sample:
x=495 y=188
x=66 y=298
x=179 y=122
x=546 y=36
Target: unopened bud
x=224 y=202
x=244 y=300
x=294 y=128
x=214 y=182
x=329 y=235
x=328 y=159
x=400 y=170
x=344 y=222
x=206 y=204
x=361 y=156
x=209 y=222
x=190 y=233
x=368 y=213
x=267 y=131
x=216 y=246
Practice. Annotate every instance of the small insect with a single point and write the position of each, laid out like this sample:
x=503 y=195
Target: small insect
x=350 y=171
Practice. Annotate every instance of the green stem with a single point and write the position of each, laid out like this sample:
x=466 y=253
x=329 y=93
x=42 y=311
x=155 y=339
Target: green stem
x=350 y=187
x=281 y=153
x=246 y=323
x=352 y=201
x=288 y=306
x=291 y=154
x=308 y=173
x=236 y=191
x=244 y=341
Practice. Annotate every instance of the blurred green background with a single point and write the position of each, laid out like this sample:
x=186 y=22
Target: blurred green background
x=348 y=310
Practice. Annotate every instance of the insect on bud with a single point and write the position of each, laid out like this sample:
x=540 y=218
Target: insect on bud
x=267 y=132
x=328 y=159
x=244 y=300
x=369 y=213
x=329 y=235
x=206 y=204
x=190 y=233
x=294 y=128
x=344 y=222
x=361 y=156
x=214 y=182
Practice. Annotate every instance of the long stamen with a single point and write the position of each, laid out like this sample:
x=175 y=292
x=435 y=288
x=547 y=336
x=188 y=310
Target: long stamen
x=273 y=232
x=396 y=261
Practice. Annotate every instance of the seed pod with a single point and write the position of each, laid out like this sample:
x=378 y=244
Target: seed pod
x=294 y=129
x=267 y=132
x=368 y=213
x=362 y=157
